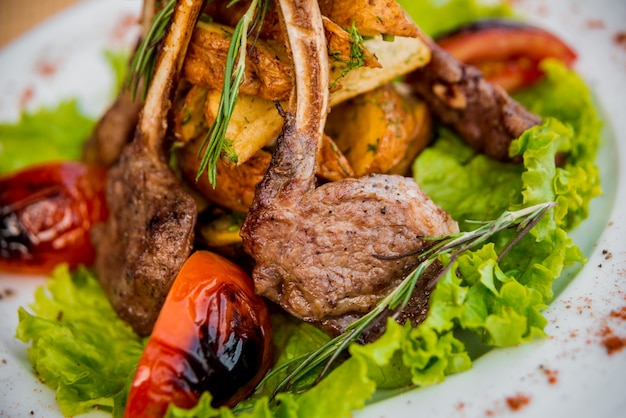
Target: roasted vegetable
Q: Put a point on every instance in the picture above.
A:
(46, 212)
(508, 53)
(213, 334)
(268, 73)
(380, 131)
(236, 185)
(256, 121)
(189, 120)
(370, 17)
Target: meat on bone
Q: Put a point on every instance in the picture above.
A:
(316, 248)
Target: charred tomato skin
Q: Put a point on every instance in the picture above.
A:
(46, 213)
(212, 334)
(507, 52)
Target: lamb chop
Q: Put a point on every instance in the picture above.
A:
(150, 231)
(316, 249)
(481, 113)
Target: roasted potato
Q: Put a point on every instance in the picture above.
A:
(256, 121)
(254, 124)
(268, 71)
(189, 119)
(371, 17)
(235, 185)
(380, 131)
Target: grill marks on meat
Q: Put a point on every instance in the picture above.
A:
(481, 113)
(149, 233)
(315, 248)
(146, 239)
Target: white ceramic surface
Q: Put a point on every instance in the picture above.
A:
(570, 374)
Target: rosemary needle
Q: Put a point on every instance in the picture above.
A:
(453, 245)
(144, 60)
(215, 140)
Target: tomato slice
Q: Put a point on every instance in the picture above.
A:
(46, 212)
(212, 334)
(507, 52)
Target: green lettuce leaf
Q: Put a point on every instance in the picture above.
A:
(56, 133)
(436, 18)
(79, 346)
(565, 96)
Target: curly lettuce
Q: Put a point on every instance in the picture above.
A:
(436, 18)
(79, 346)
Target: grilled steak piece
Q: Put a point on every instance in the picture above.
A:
(481, 113)
(149, 233)
(315, 248)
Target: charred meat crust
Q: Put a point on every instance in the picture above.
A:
(150, 230)
(481, 113)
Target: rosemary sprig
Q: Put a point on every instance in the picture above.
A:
(144, 60)
(453, 245)
(215, 140)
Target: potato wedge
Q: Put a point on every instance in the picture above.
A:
(380, 131)
(332, 165)
(234, 187)
(397, 58)
(340, 45)
(371, 17)
(268, 70)
(254, 124)
(189, 120)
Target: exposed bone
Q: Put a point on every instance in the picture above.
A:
(149, 233)
(315, 248)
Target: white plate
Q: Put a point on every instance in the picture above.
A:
(570, 374)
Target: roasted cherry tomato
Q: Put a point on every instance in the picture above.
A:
(212, 334)
(46, 212)
(508, 53)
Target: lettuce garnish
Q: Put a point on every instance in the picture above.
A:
(80, 347)
(437, 17)
(55, 133)
(48, 134)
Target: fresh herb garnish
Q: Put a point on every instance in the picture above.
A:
(452, 246)
(215, 140)
(357, 54)
(144, 60)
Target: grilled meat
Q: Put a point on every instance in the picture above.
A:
(149, 234)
